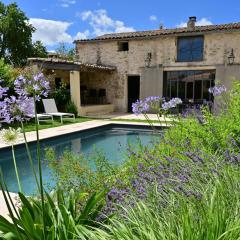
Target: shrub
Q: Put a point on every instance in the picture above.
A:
(173, 216)
(78, 172)
(71, 108)
(8, 75)
(62, 96)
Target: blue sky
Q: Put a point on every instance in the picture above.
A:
(65, 20)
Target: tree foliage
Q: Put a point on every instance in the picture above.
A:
(65, 52)
(38, 50)
(16, 36)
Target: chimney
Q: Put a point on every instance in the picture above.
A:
(191, 22)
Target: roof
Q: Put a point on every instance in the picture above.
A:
(56, 63)
(166, 32)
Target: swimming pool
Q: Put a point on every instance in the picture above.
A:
(112, 140)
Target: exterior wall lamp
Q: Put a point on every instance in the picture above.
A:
(148, 59)
(231, 57)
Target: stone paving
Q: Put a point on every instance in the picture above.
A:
(3, 207)
(65, 129)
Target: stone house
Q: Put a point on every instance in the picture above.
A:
(181, 62)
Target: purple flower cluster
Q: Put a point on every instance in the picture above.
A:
(140, 106)
(167, 174)
(3, 91)
(217, 90)
(21, 107)
(143, 106)
(36, 85)
(154, 102)
(171, 104)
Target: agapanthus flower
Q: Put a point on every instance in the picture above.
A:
(16, 108)
(171, 104)
(11, 136)
(32, 84)
(152, 99)
(3, 91)
(217, 90)
(143, 106)
(140, 106)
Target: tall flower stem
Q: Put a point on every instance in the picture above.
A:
(16, 169)
(149, 121)
(40, 168)
(30, 156)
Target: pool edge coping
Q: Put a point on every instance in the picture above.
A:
(80, 127)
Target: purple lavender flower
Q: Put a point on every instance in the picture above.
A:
(217, 90)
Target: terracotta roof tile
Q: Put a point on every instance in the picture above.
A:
(166, 32)
(76, 63)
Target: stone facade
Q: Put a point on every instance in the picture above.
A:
(217, 46)
(62, 74)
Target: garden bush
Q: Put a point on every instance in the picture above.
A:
(186, 186)
(71, 108)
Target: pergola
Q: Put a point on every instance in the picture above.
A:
(75, 68)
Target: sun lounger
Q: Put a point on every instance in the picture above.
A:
(51, 109)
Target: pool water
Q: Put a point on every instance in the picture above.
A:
(112, 140)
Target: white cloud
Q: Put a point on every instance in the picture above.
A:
(51, 32)
(153, 18)
(67, 3)
(201, 22)
(82, 35)
(102, 23)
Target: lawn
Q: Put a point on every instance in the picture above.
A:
(30, 126)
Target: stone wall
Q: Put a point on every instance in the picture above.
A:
(63, 74)
(103, 80)
(164, 53)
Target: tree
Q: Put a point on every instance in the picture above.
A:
(15, 35)
(65, 52)
(39, 50)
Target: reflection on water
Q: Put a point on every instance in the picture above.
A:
(111, 141)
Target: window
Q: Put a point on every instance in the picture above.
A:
(190, 49)
(123, 46)
(188, 85)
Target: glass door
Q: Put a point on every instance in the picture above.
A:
(189, 90)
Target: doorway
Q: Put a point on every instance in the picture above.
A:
(133, 90)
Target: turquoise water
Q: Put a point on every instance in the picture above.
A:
(112, 140)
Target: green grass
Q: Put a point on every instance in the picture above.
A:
(30, 126)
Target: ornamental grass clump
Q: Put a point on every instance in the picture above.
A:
(174, 216)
